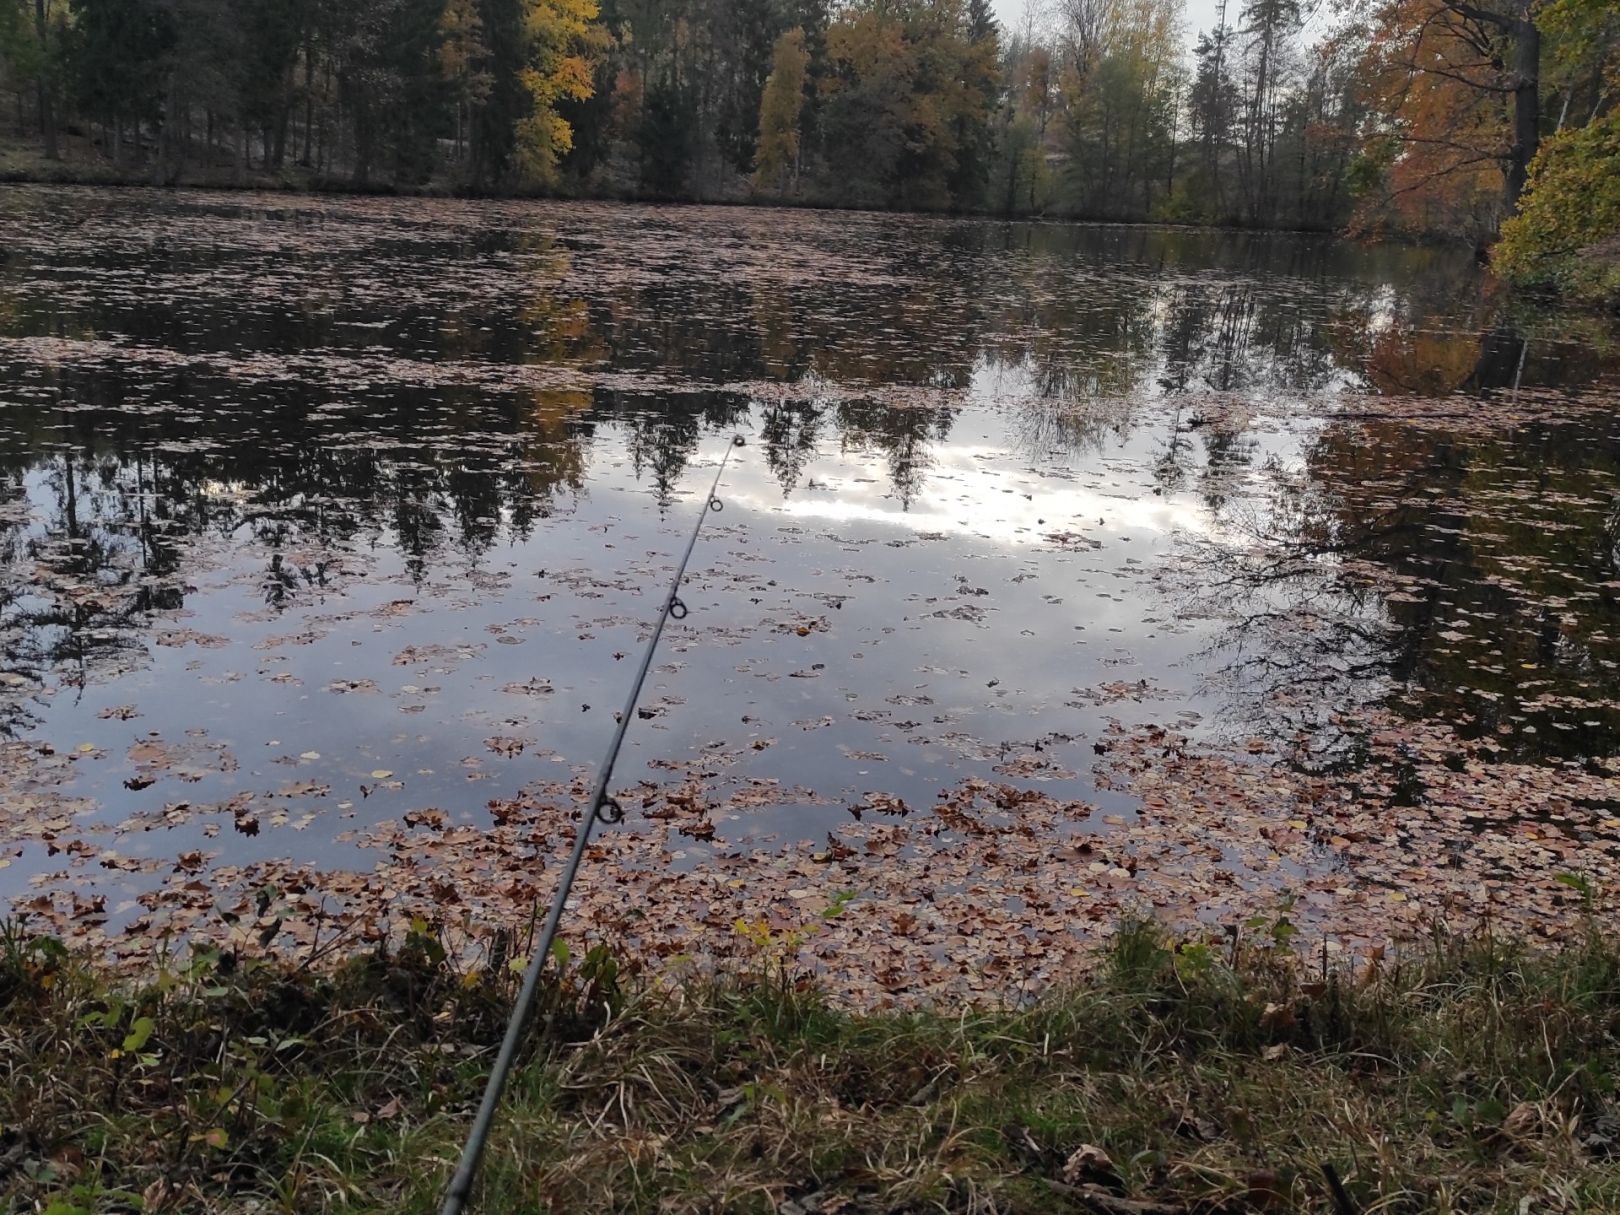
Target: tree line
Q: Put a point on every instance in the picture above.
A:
(1416, 115)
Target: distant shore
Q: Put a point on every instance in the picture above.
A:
(26, 164)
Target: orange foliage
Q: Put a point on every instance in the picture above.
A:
(1439, 82)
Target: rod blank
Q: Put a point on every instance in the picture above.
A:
(602, 808)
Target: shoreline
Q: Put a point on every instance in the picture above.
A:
(447, 191)
(1180, 1077)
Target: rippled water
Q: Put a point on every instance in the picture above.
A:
(316, 514)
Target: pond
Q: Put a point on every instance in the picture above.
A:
(1066, 572)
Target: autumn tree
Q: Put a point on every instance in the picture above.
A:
(1121, 87)
(1029, 101)
(1086, 108)
(558, 34)
(780, 108)
(1459, 85)
(909, 101)
(868, 108)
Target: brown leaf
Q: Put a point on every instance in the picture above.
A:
(1089, 1162)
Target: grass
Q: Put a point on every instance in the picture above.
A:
(1469, 1075)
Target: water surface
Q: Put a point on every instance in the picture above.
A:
(326, 523)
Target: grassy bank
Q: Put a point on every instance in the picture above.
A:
(1466, 1076)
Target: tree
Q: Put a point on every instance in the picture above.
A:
(45, 77)
(1269, 25)
(557, 33)
(1459, 84)
(1122, 103)
(1212, 103)
(780, 109)
(665, 137)
(1032, 100)
(871, 113)
(1584, 57)
(1567, 233)
(204, 75)
(25, 63)
(912, 88)
(739, 55)
(271, 33)
(978, 99)
(463, 58)
(118, 50)
(494, 118)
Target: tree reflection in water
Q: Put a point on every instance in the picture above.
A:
(860, 335)
(1468, 577)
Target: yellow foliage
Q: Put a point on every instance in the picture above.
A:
(560, 34)
(780, 107)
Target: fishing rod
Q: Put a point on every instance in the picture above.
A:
(603, 808)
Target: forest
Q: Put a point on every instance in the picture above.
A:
(1420, 117)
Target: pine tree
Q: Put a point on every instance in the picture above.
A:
(463, 58)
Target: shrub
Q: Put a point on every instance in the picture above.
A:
(1566, 236)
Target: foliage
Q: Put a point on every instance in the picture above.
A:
(1119, 125)
(1463, 93)
(910, 96)
(910, 103)
(22, 50)
(557, 32)
(464, 61)
(1567, 234)
(1442, 133)
(1585, 51)
(781, 109)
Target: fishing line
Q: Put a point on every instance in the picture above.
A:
(603, 808)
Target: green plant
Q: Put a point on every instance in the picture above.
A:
(1566, 235)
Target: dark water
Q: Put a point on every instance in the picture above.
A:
(354, 508)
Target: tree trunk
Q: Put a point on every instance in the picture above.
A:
(309, 97)
(1526, 107)
(47, 113)
(175, 132)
